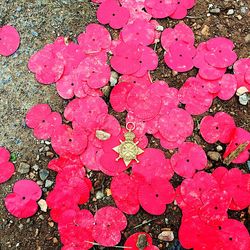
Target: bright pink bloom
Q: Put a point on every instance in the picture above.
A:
(9, 40)
(75, 229)
(7, 168)
(140, 31)
(132, 241)
(143, 102)
(22, 202)
(220, 52)
(148, 61)
(95, 39)
(95, 71)
(221, 128)
(110, 12)
(242, 72)
(66, 140)
(182, 7)
(154, 196)
(143, 80)
(180, 56)
(215, 205)
(153, 164)
(43, 121)
(136, 10)
(195, 94)
(160, 8)
(75, 84)
(124, 190)
(126, 59)
(46, 65)
(84, 111)
(236, 184)
(181, 32)
(176, 126)
(108, 224)
(189, 158)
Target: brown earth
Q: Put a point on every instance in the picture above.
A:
(39, 22)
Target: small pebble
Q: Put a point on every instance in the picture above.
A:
(230, 12)
(55, 240)
(23, 168)
(243, 99)
(48, 183)
(219, 148)
(248, 164)
(51, 223)
(214, 156)
(43, 174)
(99, 195)
(244, 10)
(247, 38)
(215, 11)
(166, 236)
(43, 205)
(35, 167)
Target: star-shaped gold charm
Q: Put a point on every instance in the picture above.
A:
(128, 149)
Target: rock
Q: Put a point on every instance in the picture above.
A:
(50, 154)
(219, 148)
(215, 10)
(243, 99)
(43, 205)
(99, 195)
(248, 164)
(247, 38)
(23, 168)
(48, 183)
(214, 156)
(242, 90)
(166, 236)
(55, 240)
(244, 10)
(113, 78)
(35, 167)
(230, 12)
(205, 30)
(108, 191)
(43, 174)
(51, 223)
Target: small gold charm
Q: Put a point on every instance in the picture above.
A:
(128, 149)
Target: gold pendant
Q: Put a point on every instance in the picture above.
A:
(128, 149)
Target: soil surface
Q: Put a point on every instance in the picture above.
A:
(40, 22)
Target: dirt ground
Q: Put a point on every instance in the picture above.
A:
(40, 22)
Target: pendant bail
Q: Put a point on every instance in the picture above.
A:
(130, 126)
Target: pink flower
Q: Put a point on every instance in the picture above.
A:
(95, 71)
(175, 127)
(126, 59)
(180, 56)
(84, 111)
(132, 242)
(110, 12)
(75, 84)
(22, 202)
(9, 40)
(242, 72)
(46, 65)
(140, 31)
(154, 196)
(160, 8)
(220, 52)
(43, 121)
(95, 39)
(189, 158)
(181, 32)
(124, 190)
(7, 168)
(182, 7)
(67, 141)
(136, 10)
(196, 96)
(75, 229)
(108, 224)
(221, 128)
(235, 183)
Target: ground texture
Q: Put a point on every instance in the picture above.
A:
(40, 22)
